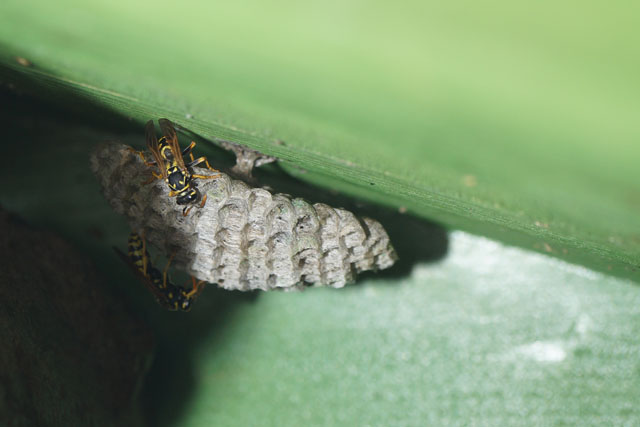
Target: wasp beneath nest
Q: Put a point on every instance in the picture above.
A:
(168, 295)
(168, 157)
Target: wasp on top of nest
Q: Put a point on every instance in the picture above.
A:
(244, 237)
(169, 159)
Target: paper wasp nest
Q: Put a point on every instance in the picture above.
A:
(244, 238)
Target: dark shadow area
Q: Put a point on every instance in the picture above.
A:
(64, 333)
(171, 380)
(48, 184)
(49, 134)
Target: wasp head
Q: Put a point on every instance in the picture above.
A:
(184, 303)
(190, 195)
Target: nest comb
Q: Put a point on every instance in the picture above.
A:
(244, 238)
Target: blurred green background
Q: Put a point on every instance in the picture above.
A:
(517, 122)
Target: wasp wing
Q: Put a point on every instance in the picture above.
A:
(146, 281)
(170, 135)
(152, 145)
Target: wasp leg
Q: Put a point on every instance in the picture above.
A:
(153, 178)
(165, 272)
(188, 150)
(186, 210)
(214, 176)
(196, 288)
(141, 154)
(200, 160)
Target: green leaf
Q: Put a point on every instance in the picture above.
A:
(491, 335)
(518, 126)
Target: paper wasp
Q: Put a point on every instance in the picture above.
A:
(169, 159)
(168, 295)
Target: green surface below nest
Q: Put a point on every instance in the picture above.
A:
(519, 125)
(492, 335)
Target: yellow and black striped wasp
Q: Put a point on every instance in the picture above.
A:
(169, 159)
(168, 295)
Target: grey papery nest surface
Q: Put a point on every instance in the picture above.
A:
(243, 238)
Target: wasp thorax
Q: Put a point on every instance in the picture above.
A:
(176, 179)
